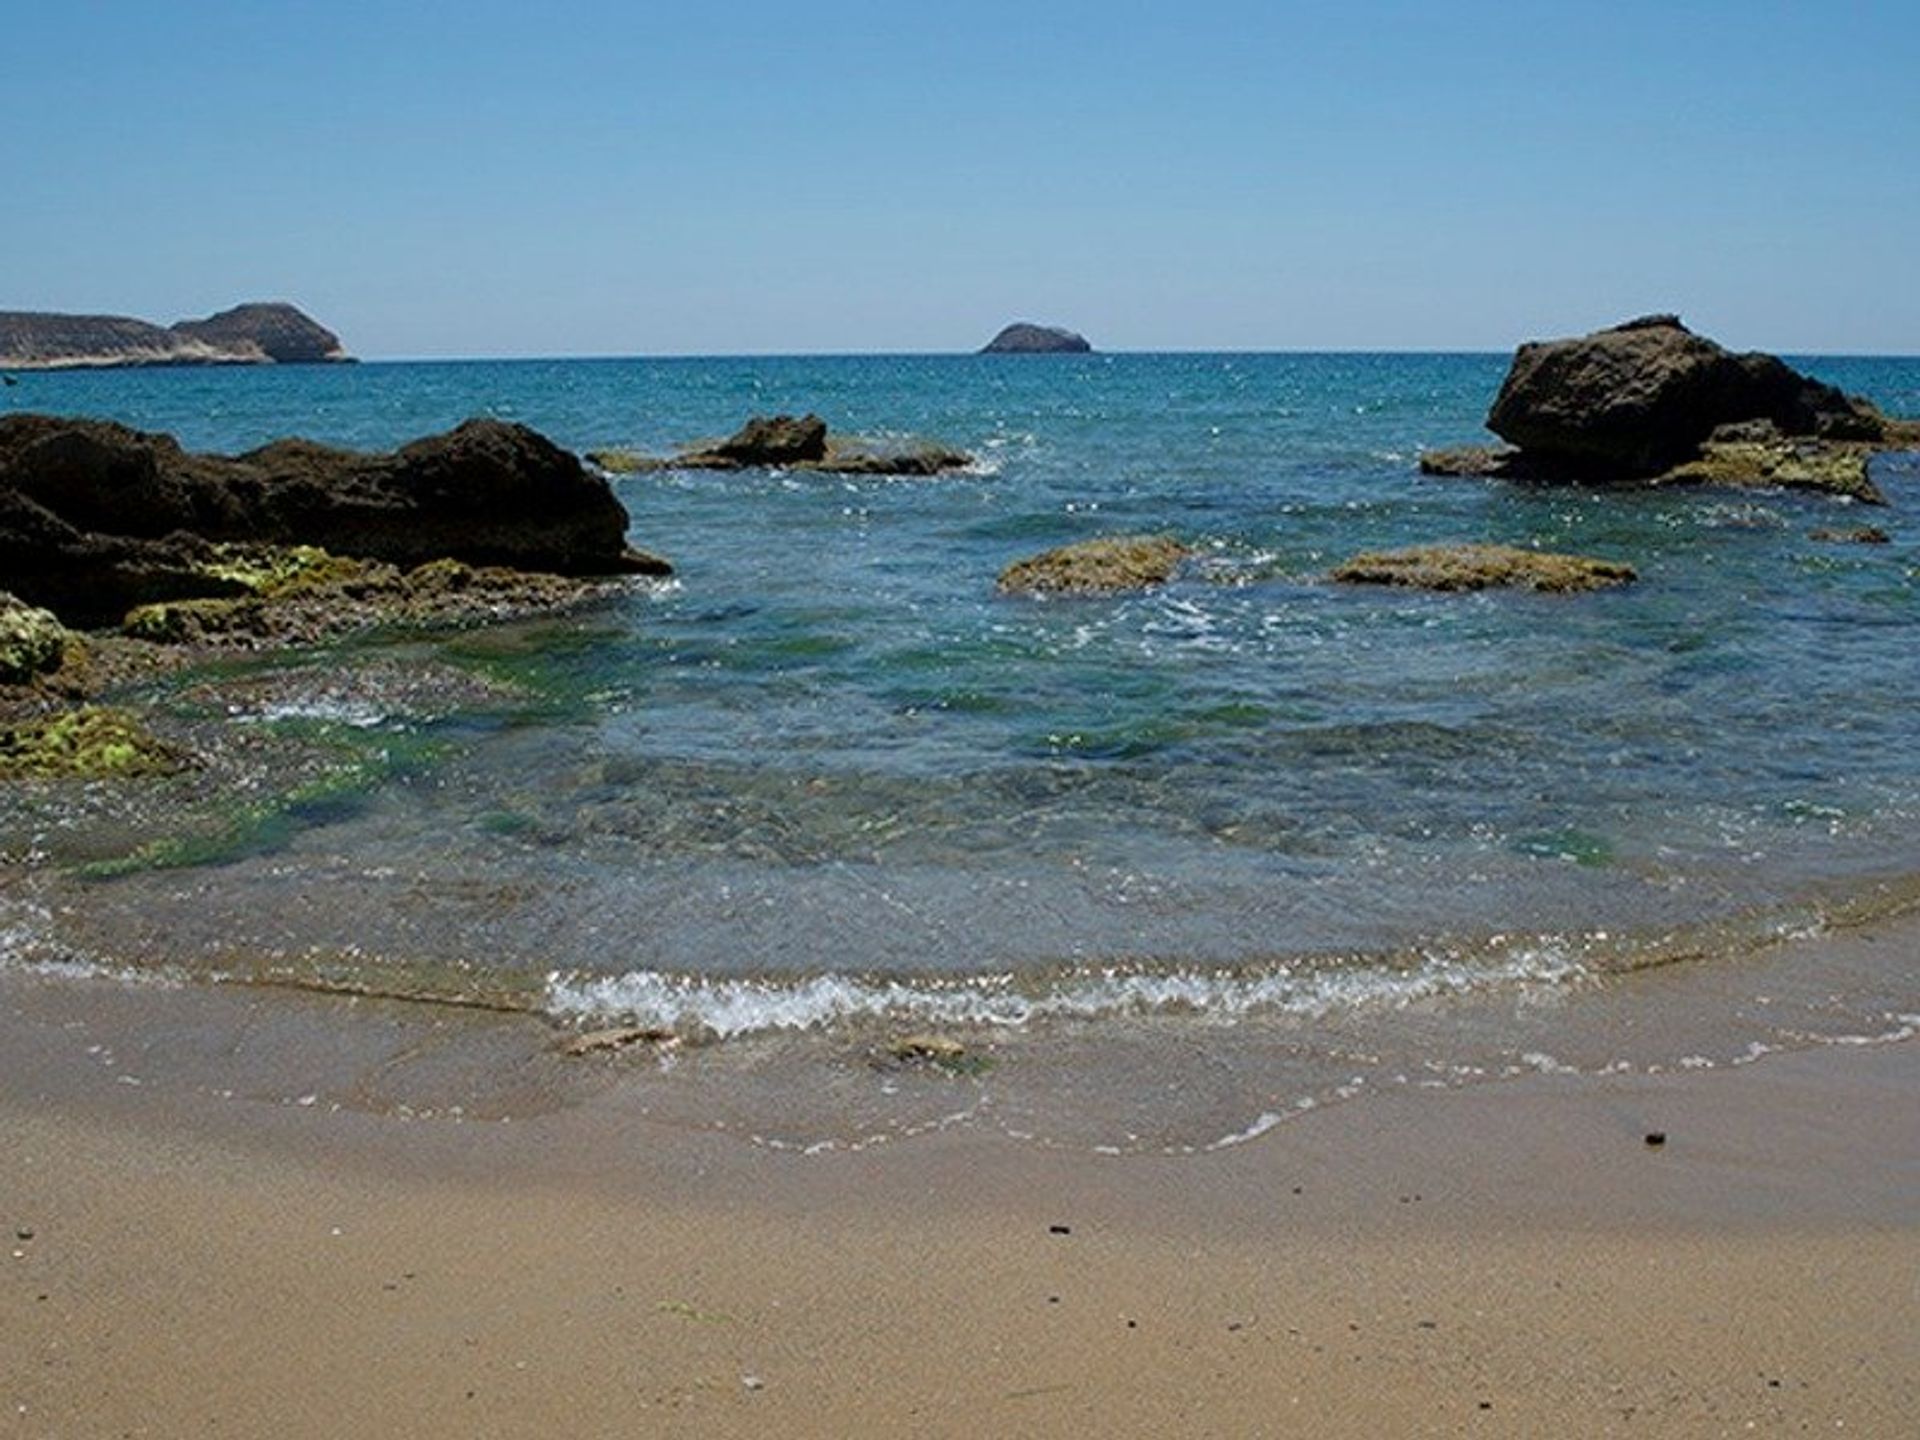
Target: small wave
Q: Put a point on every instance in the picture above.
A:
(729, 1008)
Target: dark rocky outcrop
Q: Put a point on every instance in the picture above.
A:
(1105, 566)
(1482, 567)
(1851, 535)
(254, 334)
(1650, 402)
(1024, 338)
(1640, 398)
(787, 442)
(96, 518)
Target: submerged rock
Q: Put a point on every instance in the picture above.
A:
(93, 742)
(1104, 566)
(32, 641)
(785, 442)
(1852, 535)
(1025, 338)
(1642, 397)
(96, 518)
(1481, 567)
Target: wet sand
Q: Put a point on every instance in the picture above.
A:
(1506, 1259)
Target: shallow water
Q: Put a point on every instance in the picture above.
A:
(826, 782)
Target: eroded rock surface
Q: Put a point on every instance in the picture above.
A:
(1108, 565)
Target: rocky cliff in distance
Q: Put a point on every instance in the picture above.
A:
(278, 330)
(1023, 338)
(255, 334)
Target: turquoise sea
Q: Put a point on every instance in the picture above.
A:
(826, 784)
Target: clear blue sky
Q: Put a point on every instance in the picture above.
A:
(484, 178)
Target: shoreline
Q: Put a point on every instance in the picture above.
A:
(1508, 1258)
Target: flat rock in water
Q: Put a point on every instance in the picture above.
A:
(1108, 565)
(784, 442)
(1482, 567)
(1751, 456)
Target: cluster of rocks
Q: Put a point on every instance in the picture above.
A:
(97, 519)
(788, 442)
(259, 333)
(1649, 402)
(148, 547)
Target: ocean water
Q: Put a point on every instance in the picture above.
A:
(826, 784)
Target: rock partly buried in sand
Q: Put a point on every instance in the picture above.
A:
(1852, 535)
(93, 742)
(1755, 453)
(931, 1051)
(32, 641)
(96, 518)
(1025, 338)
(1108, 565)
(790, 443)
(1642, 397)
(616, 1038)
(1483, 567)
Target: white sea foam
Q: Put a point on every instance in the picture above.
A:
(725, 1008)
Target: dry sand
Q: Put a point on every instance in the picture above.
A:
(1507, 1260)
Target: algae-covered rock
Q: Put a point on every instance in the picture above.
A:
(1758, 455)
(32, 641)
(1482, 567)
(191, 622)
(93, 742)
(1108, 565)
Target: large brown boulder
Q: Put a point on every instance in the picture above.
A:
(96, 518)
(1641, 397)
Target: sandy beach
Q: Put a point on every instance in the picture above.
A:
(1503, 1259)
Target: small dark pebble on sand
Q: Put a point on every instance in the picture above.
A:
(1059, 1229)
(23, 1233)
(1486, 1404)
(1656, 1138)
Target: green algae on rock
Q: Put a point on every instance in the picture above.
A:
(93, 742)
(32, 641)
(1751, 456)
(1104, 566)
(1482, 567)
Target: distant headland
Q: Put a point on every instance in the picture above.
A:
(1023, 338)
(263, 333)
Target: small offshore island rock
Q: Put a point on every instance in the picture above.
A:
(1025, 338)
(276, 329)
(1105, 566)
(261, 333)
(1482, 567)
